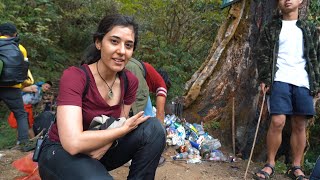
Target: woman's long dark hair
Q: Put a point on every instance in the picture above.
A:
(92, 54)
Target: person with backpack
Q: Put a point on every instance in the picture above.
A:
(150, 80)
(13, 56)
(102, 87)
(31, 96)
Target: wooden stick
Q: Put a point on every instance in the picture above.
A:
(233, 130)
(255, 136)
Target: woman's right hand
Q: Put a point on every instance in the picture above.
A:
(133, 122)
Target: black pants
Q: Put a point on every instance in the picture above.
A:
(13, 99)
(144, 146)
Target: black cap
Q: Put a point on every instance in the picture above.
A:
(7, 29)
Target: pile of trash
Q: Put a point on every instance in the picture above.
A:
(191, 142)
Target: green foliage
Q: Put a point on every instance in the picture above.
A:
(308, 166)
(212, 125)
(176, 35)
(314, 14)
(36, 22)
(55, 33)
(281, 167)
(314, 149)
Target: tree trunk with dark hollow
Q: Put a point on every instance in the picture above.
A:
(229, 71)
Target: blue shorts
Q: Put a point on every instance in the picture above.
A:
(289, 99)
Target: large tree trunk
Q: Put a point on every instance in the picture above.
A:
(229, 72)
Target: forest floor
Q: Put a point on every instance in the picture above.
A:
(172, 169)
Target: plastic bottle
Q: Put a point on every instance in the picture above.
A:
(183, 155)
(199, 128)
(205, 151)
(190, 135)
(190, 126)
(193, 151)
(173, 118)
(167, 121)
(181, 131)
(216, 144)
(212, 143)
(193, 161)
(217, 155)
(195, 145)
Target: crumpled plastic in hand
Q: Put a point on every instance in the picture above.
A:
(105, 122)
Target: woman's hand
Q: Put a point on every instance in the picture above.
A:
(133, 122)
(98, 154)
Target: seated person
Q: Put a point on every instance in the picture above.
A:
(31, 96)
(72, 151)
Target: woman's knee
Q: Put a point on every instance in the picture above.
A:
(153, 132)
(154, 124)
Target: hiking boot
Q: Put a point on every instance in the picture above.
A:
(27, 146)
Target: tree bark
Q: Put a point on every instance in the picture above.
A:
(229, 71)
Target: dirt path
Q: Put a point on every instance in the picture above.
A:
(178, 170)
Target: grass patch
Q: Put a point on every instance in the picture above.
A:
(8, 135)
(281, 167)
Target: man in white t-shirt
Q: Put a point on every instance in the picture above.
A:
(288, 66)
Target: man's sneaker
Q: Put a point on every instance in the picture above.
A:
(27, 146)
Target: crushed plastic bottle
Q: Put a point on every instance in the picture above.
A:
(170, 119)
(199, 128)
(194, 161)
(181, 131)
(177, 140)
(191, 127)
(193, 151)
(195, 145)
(211, 143)
(217, 155)
(205, 151)
(183, 155)
(191, 135)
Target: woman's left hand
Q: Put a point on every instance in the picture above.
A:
(98, 153)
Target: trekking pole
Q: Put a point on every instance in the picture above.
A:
(233, 130)
(255, 136)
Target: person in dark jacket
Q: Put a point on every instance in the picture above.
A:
(288, 67)
(11, 95)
